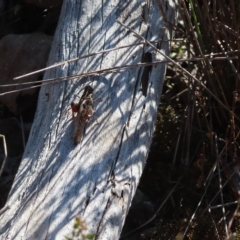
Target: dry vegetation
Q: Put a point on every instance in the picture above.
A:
(197, 135)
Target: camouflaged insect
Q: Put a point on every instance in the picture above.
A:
(84, 110)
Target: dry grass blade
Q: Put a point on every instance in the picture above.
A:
(97, 72)
(4, 152)
(220, 188)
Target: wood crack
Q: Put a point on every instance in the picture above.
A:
(101, 220)
(111, 174)
(146, 58)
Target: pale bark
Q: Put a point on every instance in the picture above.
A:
(97, 178)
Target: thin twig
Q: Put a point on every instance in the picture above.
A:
(220, 187)
(155, 215)
(230, 62)
(218, 193)
(215, 225)
(225, 205)
(5, 153)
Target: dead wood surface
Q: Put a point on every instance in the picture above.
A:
(97, 178)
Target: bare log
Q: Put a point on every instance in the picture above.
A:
(97, 178)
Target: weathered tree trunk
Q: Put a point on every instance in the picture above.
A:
(97, 178)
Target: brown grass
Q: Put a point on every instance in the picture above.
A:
(204, 121)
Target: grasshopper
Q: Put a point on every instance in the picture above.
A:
(84, 110)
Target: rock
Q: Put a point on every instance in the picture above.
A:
(22, 54)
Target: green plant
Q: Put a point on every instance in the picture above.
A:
(79, 228)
